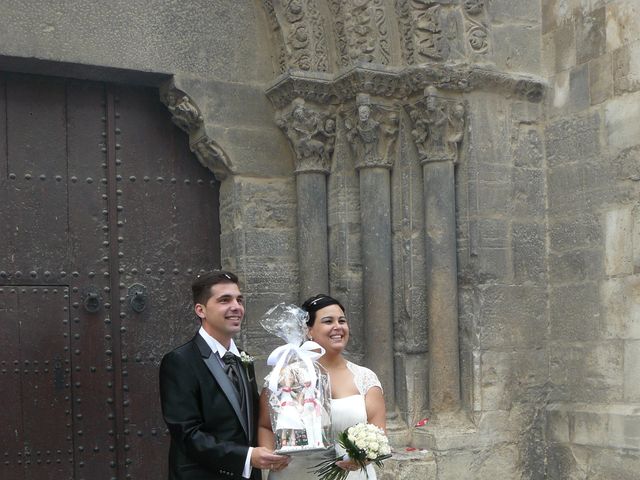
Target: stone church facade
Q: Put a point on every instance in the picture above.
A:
(463, 174)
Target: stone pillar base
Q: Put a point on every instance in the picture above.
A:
(398, 433)
(445, 431)
(412, 465)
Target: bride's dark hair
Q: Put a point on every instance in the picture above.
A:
(317, 302)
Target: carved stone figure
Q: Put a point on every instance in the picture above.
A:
(473, 7)
(213, 157)
(372, 132)
(184, 113)
(430, 41)
(365, 134)
(294, 11)
(455, 130)
(436, 119)
(438, 126)
(361, 39)
(390, 123)
(442, 31)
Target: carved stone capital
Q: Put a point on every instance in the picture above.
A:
(438, 126)
(188, 117)
(312, 133)
(372, 131)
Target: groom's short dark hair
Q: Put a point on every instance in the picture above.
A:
(201, 285)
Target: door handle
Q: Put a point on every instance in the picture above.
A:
(137, 296)
(91, 299)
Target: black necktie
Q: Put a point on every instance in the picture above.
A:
(231, 369)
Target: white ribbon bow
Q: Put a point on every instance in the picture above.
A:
(307, 354)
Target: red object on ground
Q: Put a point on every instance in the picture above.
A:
(422, 422)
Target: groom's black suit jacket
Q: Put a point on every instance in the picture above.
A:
(210, 435)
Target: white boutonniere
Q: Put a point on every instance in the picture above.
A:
(246, 359)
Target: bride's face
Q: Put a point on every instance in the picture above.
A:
(330, 329)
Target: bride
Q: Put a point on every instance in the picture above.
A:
(356, 392)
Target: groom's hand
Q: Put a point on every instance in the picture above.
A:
(262, 457)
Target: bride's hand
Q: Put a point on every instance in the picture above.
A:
(348, 465)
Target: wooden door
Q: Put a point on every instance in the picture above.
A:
(106, 218)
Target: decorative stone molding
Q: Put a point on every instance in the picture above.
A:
(300, 31)
(438, 126)
(372, 131)
(278, 42)
(427, 31)
(362, 32)
(310, 37)
(188, 117)
(476, 31)
(400, 83)
(311, 133)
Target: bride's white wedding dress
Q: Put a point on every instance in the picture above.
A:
(345, 412)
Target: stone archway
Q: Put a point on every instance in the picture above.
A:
(414, 63)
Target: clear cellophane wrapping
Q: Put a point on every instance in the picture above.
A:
(298, 388)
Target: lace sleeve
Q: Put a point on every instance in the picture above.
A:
(363, 378)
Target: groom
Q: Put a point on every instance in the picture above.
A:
(209, 400)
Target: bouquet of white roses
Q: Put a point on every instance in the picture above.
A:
(363, 443)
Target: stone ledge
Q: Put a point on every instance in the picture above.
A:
(458, 431)
(450, 431)
(400, 82)
(597, 425)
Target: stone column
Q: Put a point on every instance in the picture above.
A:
(372, 131)
(438, 129)
(312, 134)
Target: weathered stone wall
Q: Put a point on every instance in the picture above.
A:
(216, 39)
(546, 194)
(592, 143)
(503, 290)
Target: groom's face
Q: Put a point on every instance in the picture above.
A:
(223, 313)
